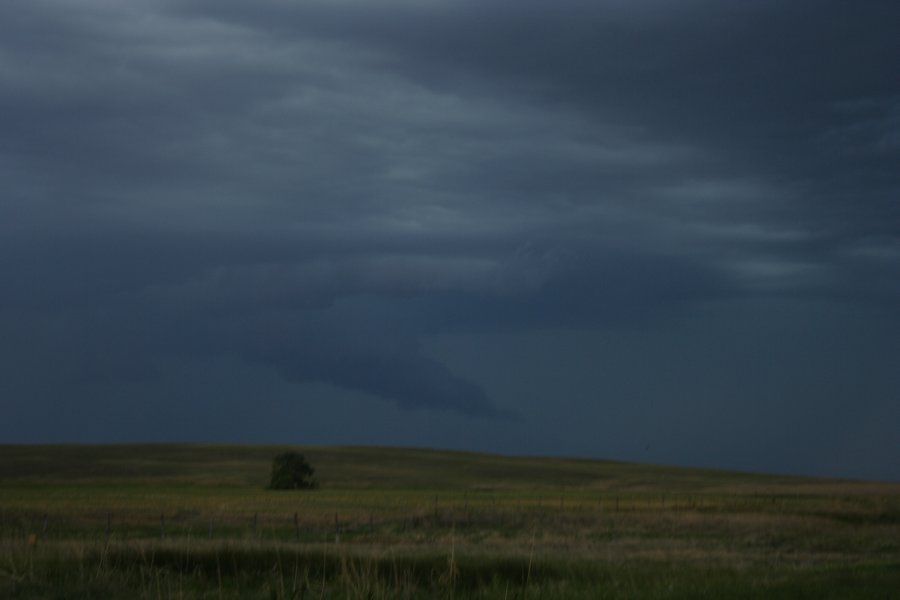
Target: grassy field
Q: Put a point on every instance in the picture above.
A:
(194, 521)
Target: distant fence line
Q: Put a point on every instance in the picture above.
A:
(460, 512)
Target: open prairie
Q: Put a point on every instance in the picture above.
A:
(195, 521)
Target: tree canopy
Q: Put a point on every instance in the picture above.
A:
(290, 471)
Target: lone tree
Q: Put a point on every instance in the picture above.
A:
(290, 471)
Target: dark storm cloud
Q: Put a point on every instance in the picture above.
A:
(80, 316)
(316, 186)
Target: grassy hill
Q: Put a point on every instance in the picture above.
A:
(368, 467)
(158, 521)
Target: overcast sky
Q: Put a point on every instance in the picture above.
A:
(642, 230)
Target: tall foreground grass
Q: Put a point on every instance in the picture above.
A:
(195, 522)
(228, 570)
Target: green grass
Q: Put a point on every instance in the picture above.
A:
(194, 521)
